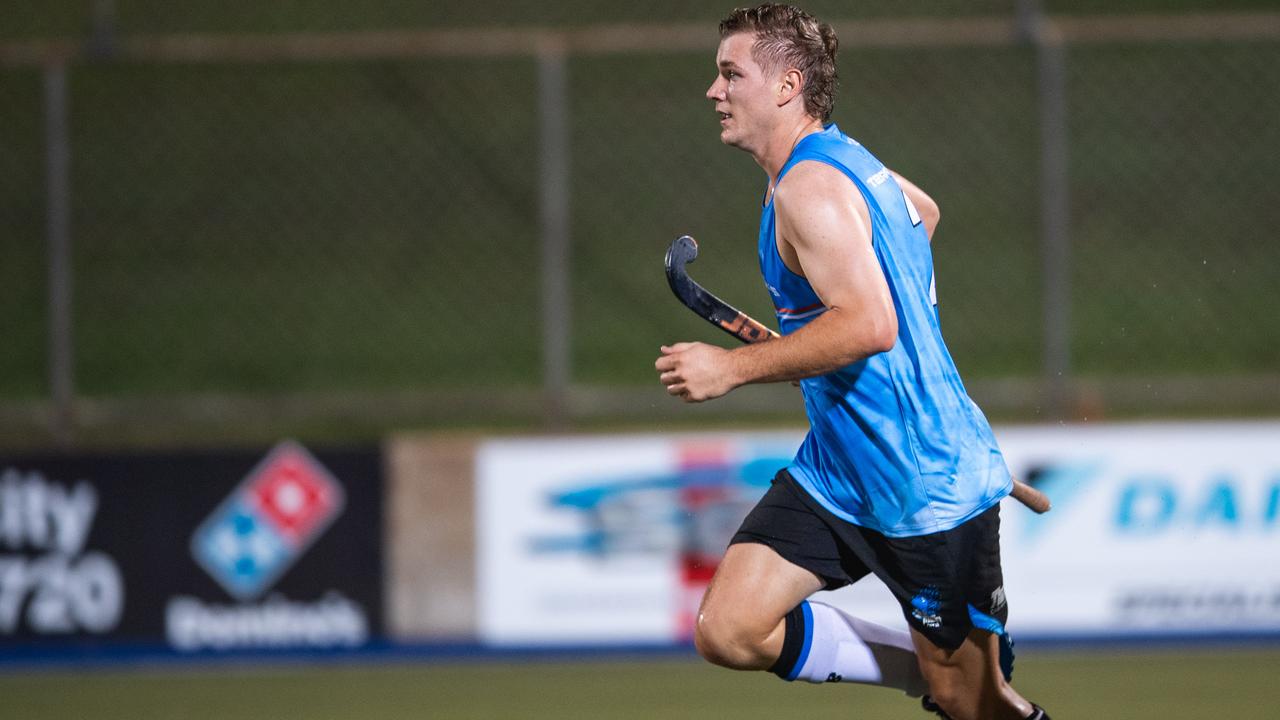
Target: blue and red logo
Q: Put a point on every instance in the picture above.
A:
(268, 521)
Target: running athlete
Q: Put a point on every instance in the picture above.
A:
(899, 475)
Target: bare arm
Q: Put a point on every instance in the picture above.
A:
(825, 235)
(924, 204)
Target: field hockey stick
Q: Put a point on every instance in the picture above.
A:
(683, 251)
(742, 326)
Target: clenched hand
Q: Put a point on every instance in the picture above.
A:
(695, 371)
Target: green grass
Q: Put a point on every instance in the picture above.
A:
(1165, 685)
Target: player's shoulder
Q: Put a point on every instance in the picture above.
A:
(811, 183)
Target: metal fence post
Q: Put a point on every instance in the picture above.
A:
(553, 142)
(1055, 204)
(58, 229)
(102, 35)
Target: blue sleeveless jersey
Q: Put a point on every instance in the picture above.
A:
(895, 444)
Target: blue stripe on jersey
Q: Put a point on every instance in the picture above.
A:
(895, 444)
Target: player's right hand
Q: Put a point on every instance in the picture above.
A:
(694, 372)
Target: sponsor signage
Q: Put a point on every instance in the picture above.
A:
(198, 551)
(53, 579)
(1158, 528)
(609, 539)
(1164, 529)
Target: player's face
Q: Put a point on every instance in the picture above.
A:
(742, 93)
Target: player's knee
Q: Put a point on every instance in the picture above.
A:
(949, 701)
(946, 681)
(952, 695)
(727, 642)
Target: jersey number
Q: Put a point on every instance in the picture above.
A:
(915, 222)
(911, 210)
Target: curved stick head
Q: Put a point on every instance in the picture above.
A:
(683, 251)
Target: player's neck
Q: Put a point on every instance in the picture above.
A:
(775, 153)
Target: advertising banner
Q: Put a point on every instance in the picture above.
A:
(609, 539)
(1161, 528)
(197, 551)
(1164, 529)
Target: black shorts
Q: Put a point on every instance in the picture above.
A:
(938, 578)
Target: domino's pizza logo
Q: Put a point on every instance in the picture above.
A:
(278, 511)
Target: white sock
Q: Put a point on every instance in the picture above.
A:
(845, 649)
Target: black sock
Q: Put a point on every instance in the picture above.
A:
(792, 644)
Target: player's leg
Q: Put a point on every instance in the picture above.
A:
(958, 622)
(967, 682)
(754, 615)
(742, 620)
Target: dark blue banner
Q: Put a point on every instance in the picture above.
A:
(278, 548)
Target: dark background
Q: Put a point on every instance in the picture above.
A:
(149, 506)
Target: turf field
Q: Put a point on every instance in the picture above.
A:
(1164, 684)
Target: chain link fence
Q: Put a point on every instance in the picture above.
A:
(368, 225)
(1172, 174)
(22, 211)
(60, 18)
(304, 227)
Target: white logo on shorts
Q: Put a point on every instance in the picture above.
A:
(997, 599)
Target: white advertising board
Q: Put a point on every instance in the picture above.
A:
(609, 539)
(1156, 528)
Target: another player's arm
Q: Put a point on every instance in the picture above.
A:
(825, 229)
(924, 204)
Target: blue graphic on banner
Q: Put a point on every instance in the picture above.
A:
(241, 549)
(1064, 483)
(693, 509)
(1151, 504)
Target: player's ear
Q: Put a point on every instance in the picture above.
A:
(790, 87)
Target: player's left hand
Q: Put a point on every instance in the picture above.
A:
(695, 372)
